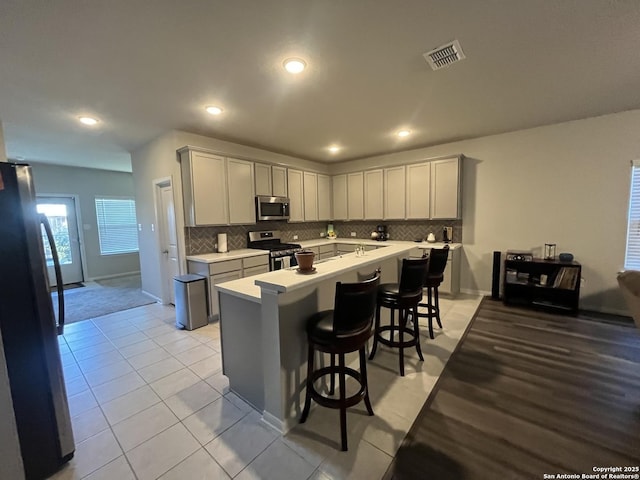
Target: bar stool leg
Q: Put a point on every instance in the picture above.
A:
(402, 322)
(365, 382)
(343, 405)
(437, 307)
(332, 381)
(416, 332)
(309, 383)
(430, 312)
(376, 332)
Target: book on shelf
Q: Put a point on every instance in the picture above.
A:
(566, 278)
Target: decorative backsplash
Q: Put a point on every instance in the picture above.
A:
(201, 240)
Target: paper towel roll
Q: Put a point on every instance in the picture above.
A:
(222, 243)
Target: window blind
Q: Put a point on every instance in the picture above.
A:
(632, 256)
(117, 225)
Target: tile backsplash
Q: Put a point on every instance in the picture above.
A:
(204, 239)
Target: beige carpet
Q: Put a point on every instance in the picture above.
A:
(102, 297)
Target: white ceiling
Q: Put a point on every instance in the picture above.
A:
(146, 67)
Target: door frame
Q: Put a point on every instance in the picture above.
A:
(76, 205)
(159, 183)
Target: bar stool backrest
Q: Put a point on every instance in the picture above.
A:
(413, 274)
(438, 261)
(355, 305)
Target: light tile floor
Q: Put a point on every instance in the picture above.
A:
(149, 401)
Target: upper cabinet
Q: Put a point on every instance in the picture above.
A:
(373, 194)
(339, 190)
(355, 196)
(296, 197)
(445, 188)
(271, 180)
(241, 192)
(418, 186)
(394, 200)
(310, 189)
(324, 197)
(263, 179)
(279, 181)
(204, 188)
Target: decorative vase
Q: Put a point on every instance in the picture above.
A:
(305, 260)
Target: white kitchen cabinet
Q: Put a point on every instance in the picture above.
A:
(271, 180)
(279, 181)
(263, 179)
(296, 198)
(339, 191)
(355, 196)
(324, 197)
(255, 265)
(418, 190)
(310, 193)
(451, 282)
(241, 192)
(327, 251)
(394, 200)
(445, 188)
(373, 194)
(204, 188)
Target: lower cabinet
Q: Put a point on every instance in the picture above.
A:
(225, 271)
(327, 251)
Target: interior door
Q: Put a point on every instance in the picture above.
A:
(61, 213)
(169, 240)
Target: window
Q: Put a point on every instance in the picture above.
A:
(117, 225)
(632, 257)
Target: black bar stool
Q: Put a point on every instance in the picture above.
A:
(345, 329)
(435, 275)
(404, 297)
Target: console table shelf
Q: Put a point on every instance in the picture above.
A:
(548, 284)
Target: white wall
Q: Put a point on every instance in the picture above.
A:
(88, 183)
(10, 456)
(566, 184)
(158, 159)
(3, 150)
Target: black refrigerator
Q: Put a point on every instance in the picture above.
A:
(29, 329)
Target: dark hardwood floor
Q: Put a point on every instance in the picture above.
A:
(528, 393)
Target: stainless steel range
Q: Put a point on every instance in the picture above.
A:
(280, 254)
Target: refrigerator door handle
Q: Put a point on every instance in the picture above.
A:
(56, 267)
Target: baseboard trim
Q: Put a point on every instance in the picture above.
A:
(115, 275)
(157, 299)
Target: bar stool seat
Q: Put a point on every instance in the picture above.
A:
(345, 329)
(404, 297)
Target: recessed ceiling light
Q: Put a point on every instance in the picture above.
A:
(294, 65)
(214, 110)
(334, 149)
(403, 133)
(88, 120)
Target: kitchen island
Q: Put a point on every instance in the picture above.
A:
(262, 325)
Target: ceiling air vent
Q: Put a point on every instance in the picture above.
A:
(444, 55)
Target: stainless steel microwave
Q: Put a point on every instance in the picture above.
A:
(272, 208)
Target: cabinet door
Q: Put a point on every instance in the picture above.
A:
(204, 189)
(263, 179)
(251, 271)
(394, 201)
(445, 186)
(295, 187)
(310, 192)
(241, 191)
(279, 181)
(339, 191)
(214, 305)
(418, 186)
(355, 196)
(324, 197)
(373, 195)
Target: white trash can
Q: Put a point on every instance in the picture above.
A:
(191, 301)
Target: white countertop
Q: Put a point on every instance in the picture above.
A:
(231, 255)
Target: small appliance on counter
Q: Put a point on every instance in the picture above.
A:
(431, 238)
(382, 234)
(447, 234)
